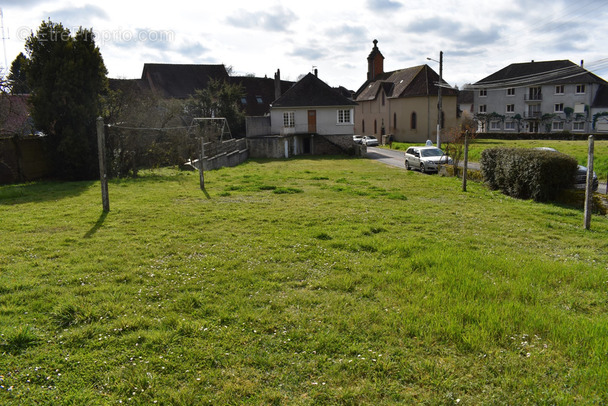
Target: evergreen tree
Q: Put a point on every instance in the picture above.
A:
(17, 78)
(66, 75)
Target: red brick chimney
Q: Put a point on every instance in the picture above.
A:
(375, 62)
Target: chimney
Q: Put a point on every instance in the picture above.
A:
(316, 72)
(277, 84)
(582, 63)
(375, 62)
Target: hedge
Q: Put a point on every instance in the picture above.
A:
(564, 135)
(528, 173)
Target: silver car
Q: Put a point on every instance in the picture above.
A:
(370, 141)
(426, 159)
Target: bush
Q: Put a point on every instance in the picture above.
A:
(528, 173)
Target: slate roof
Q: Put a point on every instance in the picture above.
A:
(129, 85)
(257, 89)
(180, 81)
(410, 82)
(543, 72)
(310, 91)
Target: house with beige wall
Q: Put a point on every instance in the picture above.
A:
(403, 103)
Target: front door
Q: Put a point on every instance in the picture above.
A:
(312, 121)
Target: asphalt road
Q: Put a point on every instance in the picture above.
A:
(394, 157)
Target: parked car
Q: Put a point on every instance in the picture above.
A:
(580, 181)
(357, 139)
(369, 140)
(426, 159)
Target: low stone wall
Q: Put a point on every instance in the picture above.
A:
(225, 154)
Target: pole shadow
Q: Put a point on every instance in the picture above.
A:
(97, 225)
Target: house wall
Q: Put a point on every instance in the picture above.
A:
(496, 101)
(402, 109)
(327, 121)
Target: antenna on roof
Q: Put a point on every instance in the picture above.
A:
(3, 42)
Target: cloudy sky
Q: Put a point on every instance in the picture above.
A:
(258, 37)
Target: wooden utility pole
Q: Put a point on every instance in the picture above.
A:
(589, 185)
(101, 153)
(466, 161)
(200, 163)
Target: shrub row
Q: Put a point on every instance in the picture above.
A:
(564, 135)
(528, 173)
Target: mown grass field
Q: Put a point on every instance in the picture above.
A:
(305, 281)
(577, 149)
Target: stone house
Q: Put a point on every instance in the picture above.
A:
(403, 103)
(309, 118)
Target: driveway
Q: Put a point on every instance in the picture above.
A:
(397, 158)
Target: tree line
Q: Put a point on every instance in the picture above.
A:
(66, 79)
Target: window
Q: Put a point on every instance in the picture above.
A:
(510, 108)
(344, 117)
(483, 92)
(362, 126)
(482, 108)
(558, 126)
(243, 100)
(259, 99)
(375, 127)
(578, 126)
(580, 89)
(289, 119)
(413, 121)
(511, 91)
(510, 125)
(559, 89)
(394, 121)
(494, 125)
(558, 108)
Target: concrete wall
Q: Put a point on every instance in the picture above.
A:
(268, 147)
(257, 126)
(227, 153)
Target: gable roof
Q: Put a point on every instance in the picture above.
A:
(410, 82)
(311, 91)
(180, 81)
(543, 72)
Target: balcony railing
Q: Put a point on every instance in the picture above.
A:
(533, 97)
(532, 114)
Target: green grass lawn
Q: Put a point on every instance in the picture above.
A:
(305, 281)
(577, 149)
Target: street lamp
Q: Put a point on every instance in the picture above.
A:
(440, 61)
